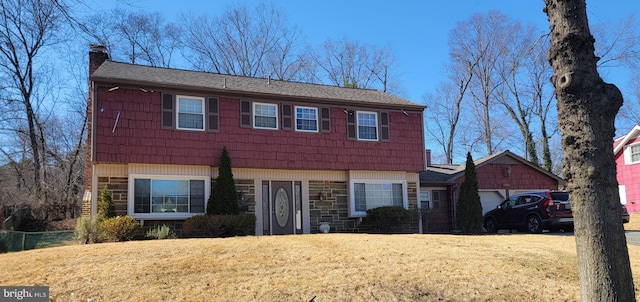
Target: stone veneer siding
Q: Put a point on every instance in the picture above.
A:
(246, 194)
(118, 187)
(334, 208)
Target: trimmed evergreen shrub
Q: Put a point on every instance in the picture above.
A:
(469, 206)
(106, 207)
(224, 199)
(386, 218)
(161, 232)
(120, 228)
(214, 226)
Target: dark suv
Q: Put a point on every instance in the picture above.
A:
(532, 212)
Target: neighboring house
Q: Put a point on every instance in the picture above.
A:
(626, 151)
(499, 176)
(301, 154)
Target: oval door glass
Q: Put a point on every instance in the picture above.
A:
(282, 207)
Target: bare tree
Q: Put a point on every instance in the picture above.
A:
(350, 63)
(587, 107)
(27, 27)
(618, 47)
(519, 44)
(138, 37)
(539, 90)
(445, 107)
(256, 43)
(477, 40)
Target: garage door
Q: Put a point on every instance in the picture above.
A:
(490, 199)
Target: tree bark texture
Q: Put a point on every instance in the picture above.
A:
(586, 110)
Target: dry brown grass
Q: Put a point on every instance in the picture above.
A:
(330, 267)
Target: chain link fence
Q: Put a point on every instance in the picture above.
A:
(16, 241)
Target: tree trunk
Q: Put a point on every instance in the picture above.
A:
(586, 110)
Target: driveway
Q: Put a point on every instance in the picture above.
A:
(633, 237)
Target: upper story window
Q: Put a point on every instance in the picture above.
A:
(632, 154)
(190, 113)
(306, 119)
(367, 125)
(265, 116)
(194, 113)
(635, 153)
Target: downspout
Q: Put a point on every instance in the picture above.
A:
(454, 188)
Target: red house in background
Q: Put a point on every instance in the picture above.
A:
(626, 150)
(499, 176)
(302, 154)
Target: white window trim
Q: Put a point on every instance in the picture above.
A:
(161, 216)
(358, 126)
(627, 155)
(352, 195)
(253, 115)
(204, 126)
(429, 200)
(295, 113)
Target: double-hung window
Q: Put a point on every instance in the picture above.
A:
(632, 154)
(265, 116)
(367, 195)
(635, 153)
(163, 196)
(367, 126)
(190, 113)
(306, 119)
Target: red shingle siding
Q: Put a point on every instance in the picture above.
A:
(139, 138)
(521, 177)
(628, 175)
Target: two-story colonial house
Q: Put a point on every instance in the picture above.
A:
(302, 154)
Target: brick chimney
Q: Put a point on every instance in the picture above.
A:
(427, 156)
(97, 56)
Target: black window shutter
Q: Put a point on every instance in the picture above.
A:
(351, 124)
(325, 119)
(168, 116)
(287, 117)
(245, 114)
(214, 121)
(384, 126)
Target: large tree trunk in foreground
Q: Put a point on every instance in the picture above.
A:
(586, 110)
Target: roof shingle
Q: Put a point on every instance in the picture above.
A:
(115, 72)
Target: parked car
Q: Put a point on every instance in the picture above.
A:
(535, 211)
(532, 212)
(625, 214)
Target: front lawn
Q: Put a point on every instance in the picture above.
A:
(329, 267)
